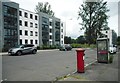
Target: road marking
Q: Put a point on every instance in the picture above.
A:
(90, 63)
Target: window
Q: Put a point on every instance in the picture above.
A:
(61, 24)
(31, 16)
(61, 36)
(35, 17)
(20, 32)
(26, 32)
(50, 30)
(31, 33)
(31, 24)
(25, 14)
(61, 30)
(35, 25)
(20, 41)
(62, 42)
(20, 22)
(36, 34)
(26, 41)
(50, 23)
(36, 42)
(31, 41)
(50, 37)
(20, 13)
(26, 23)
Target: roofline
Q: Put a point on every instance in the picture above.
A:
(28, 11)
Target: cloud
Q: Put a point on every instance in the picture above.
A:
(113, 23)
(113, 6)
(67, 10)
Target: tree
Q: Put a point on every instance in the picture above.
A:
(81, 39)
(118, 40)
(73, 41)
(45, 8)
(67, 40)
(94, 19)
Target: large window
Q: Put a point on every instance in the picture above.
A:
(61, 30)
(31, 41)
(31, 16)
(26, 23)
(20, 13)
(20, 32)
(50, 23)
(36, 42)
(50, 30)
(31, 24)
(31, 33)
(20, 22)
(36, 34)
(26, 14)
(10, 10)
(36, 17)
(36, 25)
(45, 20)
(20, 41)
(10, 20)
(50, 36)
(26, 33)
(26, 41)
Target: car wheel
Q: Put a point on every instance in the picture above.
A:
(19, 53)
(34, 51)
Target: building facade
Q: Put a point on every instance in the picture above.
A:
(50, 30)
(29, 29)
(20, 26)
(111, 34)
(9, 17)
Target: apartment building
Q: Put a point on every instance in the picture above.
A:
(20, 26)
(50, 30)
(111, 34)
(62, 31)
(9, 19)
(28, 23)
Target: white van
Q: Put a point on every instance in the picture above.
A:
(112, 49)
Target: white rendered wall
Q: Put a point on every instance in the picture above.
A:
(28, 28)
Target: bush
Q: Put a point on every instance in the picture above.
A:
(47, 47)
(83, 46)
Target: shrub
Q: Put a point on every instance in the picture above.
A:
(83, 46)
(46, 47)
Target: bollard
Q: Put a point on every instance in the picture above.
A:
(80, 60)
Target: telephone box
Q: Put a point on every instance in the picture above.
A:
(103, 50)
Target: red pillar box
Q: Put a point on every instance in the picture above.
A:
(80, 60)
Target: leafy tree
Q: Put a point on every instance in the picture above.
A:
(45, 8)
(73, 41)
(94, 18)
(81, 39)
(67, 40)
(118, 40)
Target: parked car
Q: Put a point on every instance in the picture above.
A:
(112, 49)
(65, 47)
(22, 49)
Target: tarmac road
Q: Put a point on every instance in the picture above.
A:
(43, 66)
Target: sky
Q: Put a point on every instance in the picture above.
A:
(67, 11)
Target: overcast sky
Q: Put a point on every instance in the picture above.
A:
(67, 11)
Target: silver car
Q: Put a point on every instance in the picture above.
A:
(22, 49)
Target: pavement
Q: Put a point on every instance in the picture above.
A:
(96, 72)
